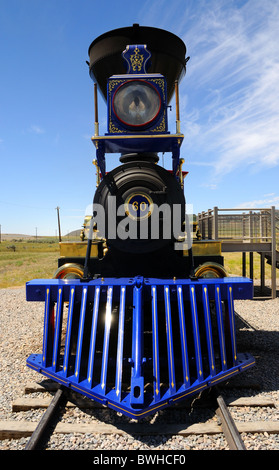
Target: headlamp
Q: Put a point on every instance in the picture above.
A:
(136, 103)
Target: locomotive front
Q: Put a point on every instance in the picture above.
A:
(133, 326)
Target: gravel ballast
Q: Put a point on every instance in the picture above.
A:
(21, 327)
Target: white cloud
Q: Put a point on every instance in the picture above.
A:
(232, 85)
(265, 202)
(37, 129)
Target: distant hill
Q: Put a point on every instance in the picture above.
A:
(74, 234)
(20, 236)
(17, 236)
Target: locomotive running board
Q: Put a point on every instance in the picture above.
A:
(139, 345)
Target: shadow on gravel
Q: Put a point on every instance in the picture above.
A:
(264, 346)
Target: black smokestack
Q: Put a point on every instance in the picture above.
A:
(167, 54)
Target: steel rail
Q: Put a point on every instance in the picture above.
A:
(229, 428)
(43, 428)
(44, 424)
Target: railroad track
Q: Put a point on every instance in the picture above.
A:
(44, 426)
(39, 433)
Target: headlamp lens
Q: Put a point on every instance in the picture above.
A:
(136, 103)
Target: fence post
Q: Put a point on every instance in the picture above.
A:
(202, 227)
(261, 226)
(262, 271)
(244, 264)
(251, 261)
(273, 253)
(243, 226)
(215, 221)
(209, 224)
(250, 226)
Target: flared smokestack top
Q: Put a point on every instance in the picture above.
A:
(168, 54)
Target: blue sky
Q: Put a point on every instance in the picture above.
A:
(229, 103)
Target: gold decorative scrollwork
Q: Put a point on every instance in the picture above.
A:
(113, 129)
(136, 60)
(161, 83)
(113, 83)
(161, 127)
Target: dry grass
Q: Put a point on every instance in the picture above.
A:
(21, 261)
(233, 265)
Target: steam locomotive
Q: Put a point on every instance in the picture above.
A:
(138, 316)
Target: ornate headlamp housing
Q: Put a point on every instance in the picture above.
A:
(137, 102)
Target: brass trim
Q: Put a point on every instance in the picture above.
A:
(211, 270)
(136, 136)
(69, 270)
(203, 248)
(77, 249)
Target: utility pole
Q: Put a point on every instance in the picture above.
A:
(58, 217)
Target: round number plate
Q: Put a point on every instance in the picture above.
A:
(138, 206)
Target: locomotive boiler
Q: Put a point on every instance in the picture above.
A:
(138, 317)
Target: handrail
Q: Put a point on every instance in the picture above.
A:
(250, 225)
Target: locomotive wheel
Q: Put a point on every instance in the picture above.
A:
(69, 271)
(211, 270)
